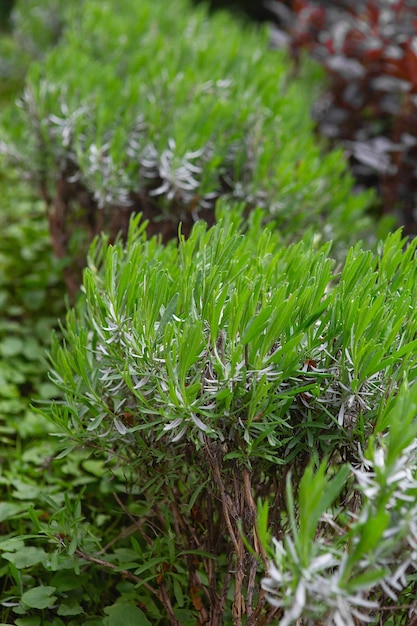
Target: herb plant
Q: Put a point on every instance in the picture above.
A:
(222, 373)
(234, 417)
(157, 108)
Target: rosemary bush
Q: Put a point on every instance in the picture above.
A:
(220, 377)
(156, 108)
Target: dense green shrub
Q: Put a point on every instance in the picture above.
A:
(213, 374)
(157, 109)
(38, 26)
(195, 380)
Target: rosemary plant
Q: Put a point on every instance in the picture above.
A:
(154, 107)
(224, 373)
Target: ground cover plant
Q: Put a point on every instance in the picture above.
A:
(205, 381)
(31, 301)
(155, 108)
(32, 298)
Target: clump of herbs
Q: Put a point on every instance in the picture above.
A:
(213, 372)
(207, 396)
(159, 109)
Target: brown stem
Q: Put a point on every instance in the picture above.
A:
(226, 583)
(228, 509)
(164, 597)
(181, 521)
(196, 587)
(251, 587)
(216, 601)
(230, 512)
(184, 528)
(239, 607)
(138, 525)
(254, 619)
(122, 535)
(253, 515)
(124, 573)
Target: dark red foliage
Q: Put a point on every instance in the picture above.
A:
(369, 49)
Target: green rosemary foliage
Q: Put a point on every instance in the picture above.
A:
(213, 370)
(156, 108)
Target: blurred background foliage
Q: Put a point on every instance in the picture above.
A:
(368, 50)
(107, 128)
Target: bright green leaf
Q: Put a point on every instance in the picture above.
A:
(26, 556)
(123, 614)
(39, 597)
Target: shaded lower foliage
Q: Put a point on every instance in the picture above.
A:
(257, 11)
(6, 7)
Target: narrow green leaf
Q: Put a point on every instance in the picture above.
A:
(167, 316)
(257, 325)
